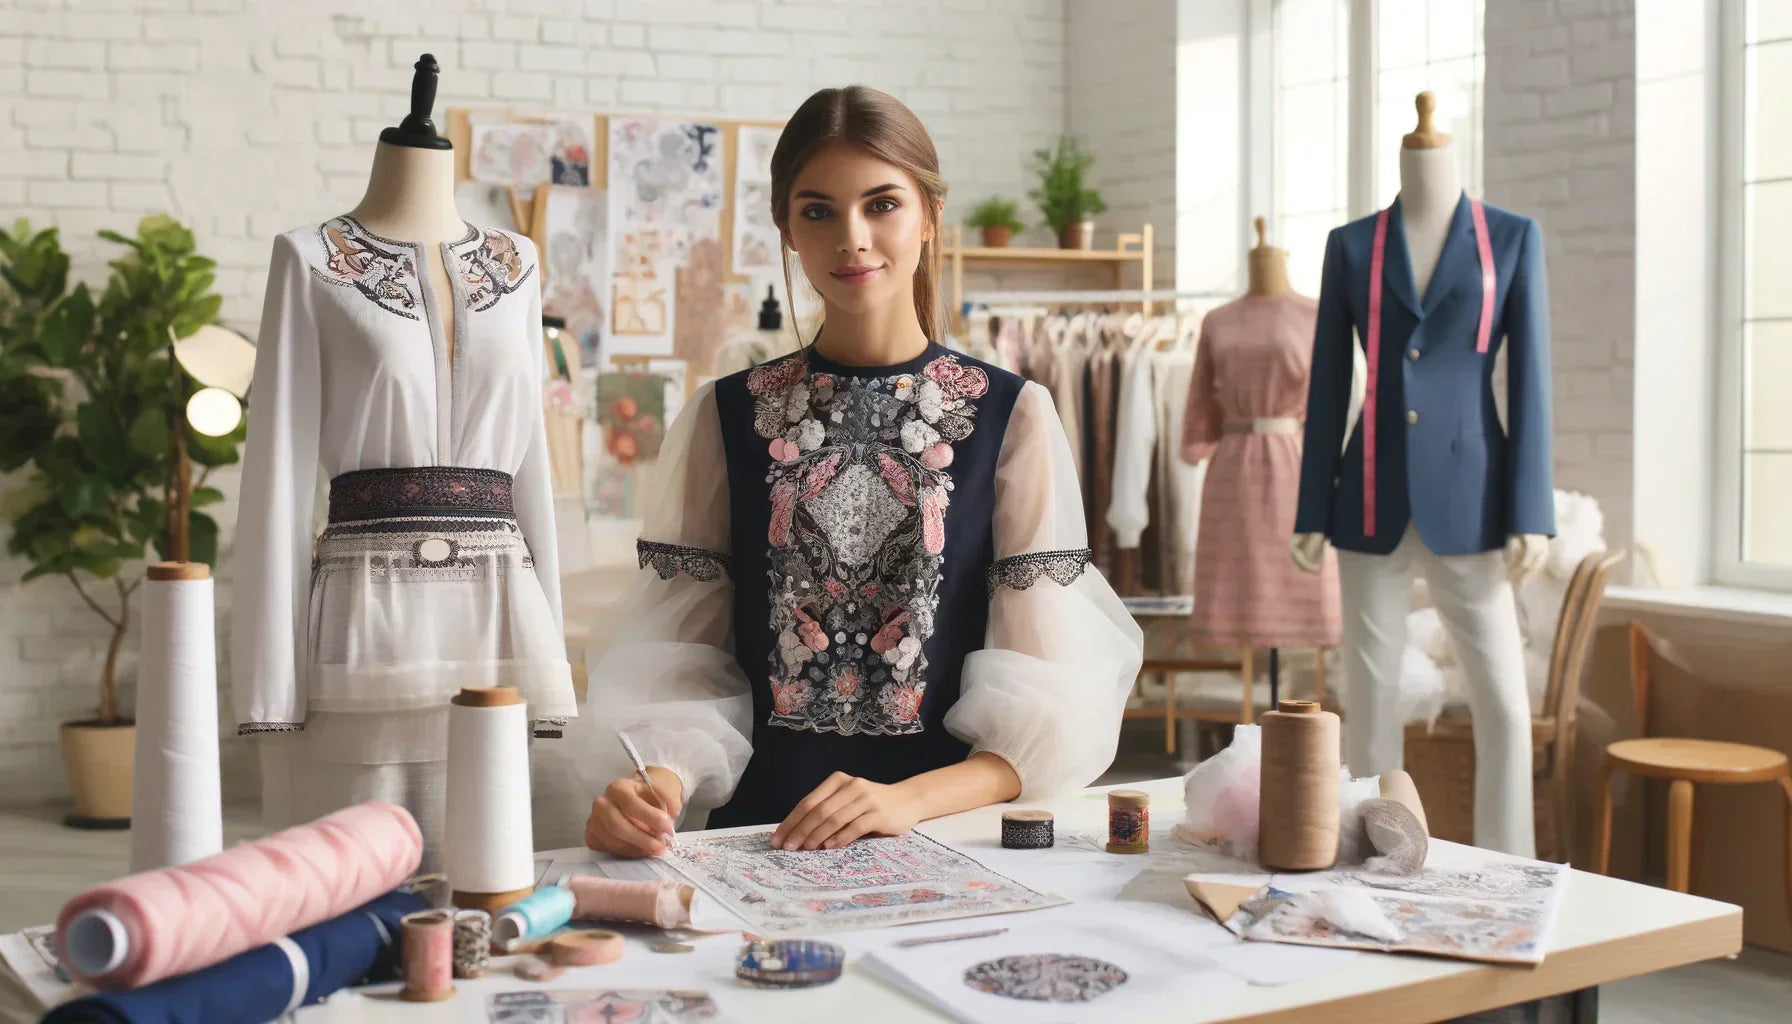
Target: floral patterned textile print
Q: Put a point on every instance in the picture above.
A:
(421, 490)
(859, 488)
(871, 883)
(382, 270)
(1046, 977)
(492, 270)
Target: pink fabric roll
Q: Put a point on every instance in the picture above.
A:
(183, 918)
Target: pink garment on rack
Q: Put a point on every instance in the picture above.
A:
(1252, 364)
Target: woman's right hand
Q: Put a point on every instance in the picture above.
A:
(630, 820)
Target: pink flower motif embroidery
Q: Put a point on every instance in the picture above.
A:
(783, 508)
(901, 484)
(870, 590)
(955, 379)
(846, 684)
(789, 698)
(937, 457)
(769, 377)
(836, 589)
(814, 637)
(890, 635)
(933, 519)
(902, 703)
(821, 474)
(785, 451)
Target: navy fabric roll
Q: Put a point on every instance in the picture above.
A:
(257, 986)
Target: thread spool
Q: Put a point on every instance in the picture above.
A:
(542, 912)
(472, 943)
(428, 956)
(176, 814)
(1027, 830)
(488, 844)
(1298, 792)
(1129, 821)
(585, 948)
(1399, 787)
(663, 904)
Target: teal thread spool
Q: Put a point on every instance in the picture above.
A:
(541, 913)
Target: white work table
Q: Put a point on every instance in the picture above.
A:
(1606, 930)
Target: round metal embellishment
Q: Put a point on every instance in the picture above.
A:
(435, 553)
(1046, 977)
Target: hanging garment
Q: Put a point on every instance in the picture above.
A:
(1179, 484)
(439, 566)
(874, 570)
(1245, 405)
(1103, 410)
(1070, 365)
(1439, 456)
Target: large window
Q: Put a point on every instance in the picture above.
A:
(1318, 150)
(1755, 536)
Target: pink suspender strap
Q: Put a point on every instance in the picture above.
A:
(1372, 344)
(1372, 355)
(1484, 250)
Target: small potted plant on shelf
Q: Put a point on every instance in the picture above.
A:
(998, 219)
(96, 417)
(1068, 205)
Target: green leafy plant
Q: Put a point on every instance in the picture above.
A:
(94, 411)
(995, 212)
(1061, 195)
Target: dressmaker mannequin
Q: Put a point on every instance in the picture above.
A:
(410, 192)
(1431, 483)
(1430, 186)
(1269, 265)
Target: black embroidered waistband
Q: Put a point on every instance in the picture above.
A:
(421, 491)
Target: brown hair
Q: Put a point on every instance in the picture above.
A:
(878, 123)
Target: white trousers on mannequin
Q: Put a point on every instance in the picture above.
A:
(1474, 601)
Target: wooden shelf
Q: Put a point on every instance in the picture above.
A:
(1016, 255)
(1130, 249)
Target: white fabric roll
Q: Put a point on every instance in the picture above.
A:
(176, 815)
(488, 840)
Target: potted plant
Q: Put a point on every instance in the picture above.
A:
(1069, 207)
(998, 219)
(106, 451)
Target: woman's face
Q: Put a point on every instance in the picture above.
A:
(857, 224)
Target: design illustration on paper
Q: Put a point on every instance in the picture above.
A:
(640, 305)
(870, 883)
(859, 493)
(518, 155)
(755, 235)
(632, 409)
(600, 1006)
(569, 154)
(667, 174)
(385, 272)
(492, 269)
(1046, 977)
(578, 265)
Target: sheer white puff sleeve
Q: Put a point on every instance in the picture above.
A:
(662, 663)
(274, 528)
(534, 491)
(1047, 691)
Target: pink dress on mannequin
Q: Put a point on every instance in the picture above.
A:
(1245, 403)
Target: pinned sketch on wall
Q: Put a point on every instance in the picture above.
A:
(699, 300)
(577, 233)
(871, 883)
(632, 409)
(571, 141)
(665, 184)
(601, 1006)
(755, 236)
(505, 153)
(642, 293)
(486, 205)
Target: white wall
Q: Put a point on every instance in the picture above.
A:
(245, 119)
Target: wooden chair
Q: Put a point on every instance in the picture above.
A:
(1441, 757)
(1683, 762)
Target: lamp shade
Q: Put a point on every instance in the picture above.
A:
(218, 357)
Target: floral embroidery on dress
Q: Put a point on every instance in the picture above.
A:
(382, 271)
(492, 269)
(859, 494)
(1019, 572)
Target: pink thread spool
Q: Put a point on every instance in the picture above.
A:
(664, 904)
(427, 955)
(157, 924)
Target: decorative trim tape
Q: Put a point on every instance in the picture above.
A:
(421, 491)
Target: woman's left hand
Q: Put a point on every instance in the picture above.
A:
(842, 809)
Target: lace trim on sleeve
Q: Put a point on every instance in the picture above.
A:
(668, 560)
(1019, 572)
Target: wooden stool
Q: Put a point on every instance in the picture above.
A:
(1685, 762)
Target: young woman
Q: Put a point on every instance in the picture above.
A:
(863, 600)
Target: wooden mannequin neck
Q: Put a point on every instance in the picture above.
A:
(1269, 272)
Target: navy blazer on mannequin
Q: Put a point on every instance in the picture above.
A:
(1442, 459)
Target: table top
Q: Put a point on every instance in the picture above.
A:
(1607, 929)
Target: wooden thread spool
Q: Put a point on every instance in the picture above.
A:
(427, 953)
(1129, 821)
(585, 948)
(1298, 801)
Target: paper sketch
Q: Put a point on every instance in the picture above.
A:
(569, 155)
(755, 236)
(1499, 911)
(485, 205)
(518, 155)
(578, 266)
(871, 883)
(1046, 977)
(642, 315)
(667, 174)
(700, 302)
(632, 409)
(600, 1006)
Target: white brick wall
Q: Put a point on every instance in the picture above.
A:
(244, 119)
(1561, 147)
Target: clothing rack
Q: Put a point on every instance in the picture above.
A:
(1091, 296)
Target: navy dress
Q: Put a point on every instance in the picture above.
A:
(901, 581)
